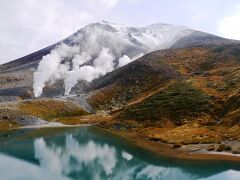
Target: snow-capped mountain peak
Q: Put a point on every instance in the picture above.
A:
(152, 37)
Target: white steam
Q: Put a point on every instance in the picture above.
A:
(98, 49)
(66, 63)
(124, 60)
(50, 67)
(101, 65)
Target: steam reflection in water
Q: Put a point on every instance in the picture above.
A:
(98, 161)
(89, 153)
(74, 157)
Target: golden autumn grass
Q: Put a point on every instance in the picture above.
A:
(51, 109)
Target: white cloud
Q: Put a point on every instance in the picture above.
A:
(229, 26)
(108, 3)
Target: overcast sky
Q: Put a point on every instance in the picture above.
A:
(29, 25)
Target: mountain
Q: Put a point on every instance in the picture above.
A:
(161, 82)
(122, 44)
(139, 39)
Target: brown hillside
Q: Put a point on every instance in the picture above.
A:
(199, 84)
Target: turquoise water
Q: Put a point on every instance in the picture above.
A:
(88, 153)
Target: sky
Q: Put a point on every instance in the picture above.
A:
(29, 25)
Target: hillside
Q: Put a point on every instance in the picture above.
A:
(183, 90)
(187, 97)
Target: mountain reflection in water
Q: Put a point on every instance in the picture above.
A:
(90, 153)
